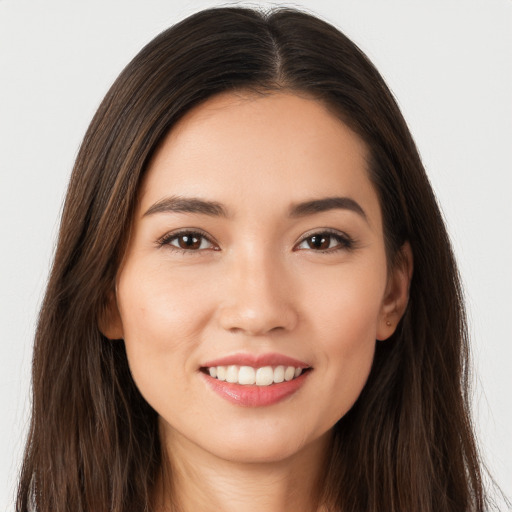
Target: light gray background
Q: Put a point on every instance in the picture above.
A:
(448, 62)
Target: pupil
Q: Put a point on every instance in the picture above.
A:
(320, 242)
(189, 242)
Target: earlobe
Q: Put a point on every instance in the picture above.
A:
(396, 296)
(109, 320)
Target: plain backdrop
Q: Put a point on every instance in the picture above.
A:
(449, 63)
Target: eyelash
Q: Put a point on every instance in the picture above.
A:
(169, 237)
(345, 242)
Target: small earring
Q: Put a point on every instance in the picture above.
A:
(388, 323)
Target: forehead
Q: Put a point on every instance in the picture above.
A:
(242, 148)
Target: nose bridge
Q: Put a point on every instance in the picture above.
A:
(259, 298)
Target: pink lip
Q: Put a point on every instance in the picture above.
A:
(254, 396)
(257, 361)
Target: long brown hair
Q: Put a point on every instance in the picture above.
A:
(407, 444)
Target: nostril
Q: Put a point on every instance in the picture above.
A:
(256, 305)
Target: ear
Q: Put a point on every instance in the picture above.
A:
(396, 295)
(109, 320)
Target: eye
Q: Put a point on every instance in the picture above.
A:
(187, 241)
(326, 241)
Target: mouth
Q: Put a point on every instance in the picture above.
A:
(254, 376)
(255, 380)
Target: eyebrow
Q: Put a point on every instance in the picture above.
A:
(180, 204)
(325, 204)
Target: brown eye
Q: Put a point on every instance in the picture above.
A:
(189, 242)
(326, 242)
(320, 242)
(186, 241)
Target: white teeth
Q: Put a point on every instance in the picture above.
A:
(289, 373)
(279, 374)
(247, 375)
(264, 376)
(221, 372)
(232, 374)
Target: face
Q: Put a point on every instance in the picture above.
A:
(255, 283)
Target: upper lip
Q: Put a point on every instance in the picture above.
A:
(256, 361)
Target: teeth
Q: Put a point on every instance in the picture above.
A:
(264, 376)
(221, 372)
(279, 374)
(232, 374)
(247, 375)
(289, 373)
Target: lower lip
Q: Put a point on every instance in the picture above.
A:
(255, 396)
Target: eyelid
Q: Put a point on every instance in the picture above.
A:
(168, 237)
(346, 242)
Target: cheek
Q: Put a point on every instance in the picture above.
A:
(161, 306)
(346, 323)
(162, 317)
(348, 304)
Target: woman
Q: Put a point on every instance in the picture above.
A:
(253, 303)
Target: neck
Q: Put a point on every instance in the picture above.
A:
(194, 480)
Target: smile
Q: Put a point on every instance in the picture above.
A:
(247, 375)
(255, 380)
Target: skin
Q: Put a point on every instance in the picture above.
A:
(255, 285)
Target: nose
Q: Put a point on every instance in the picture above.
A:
(259, 297)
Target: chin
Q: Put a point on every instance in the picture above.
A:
(264, 452)
(265, 446)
